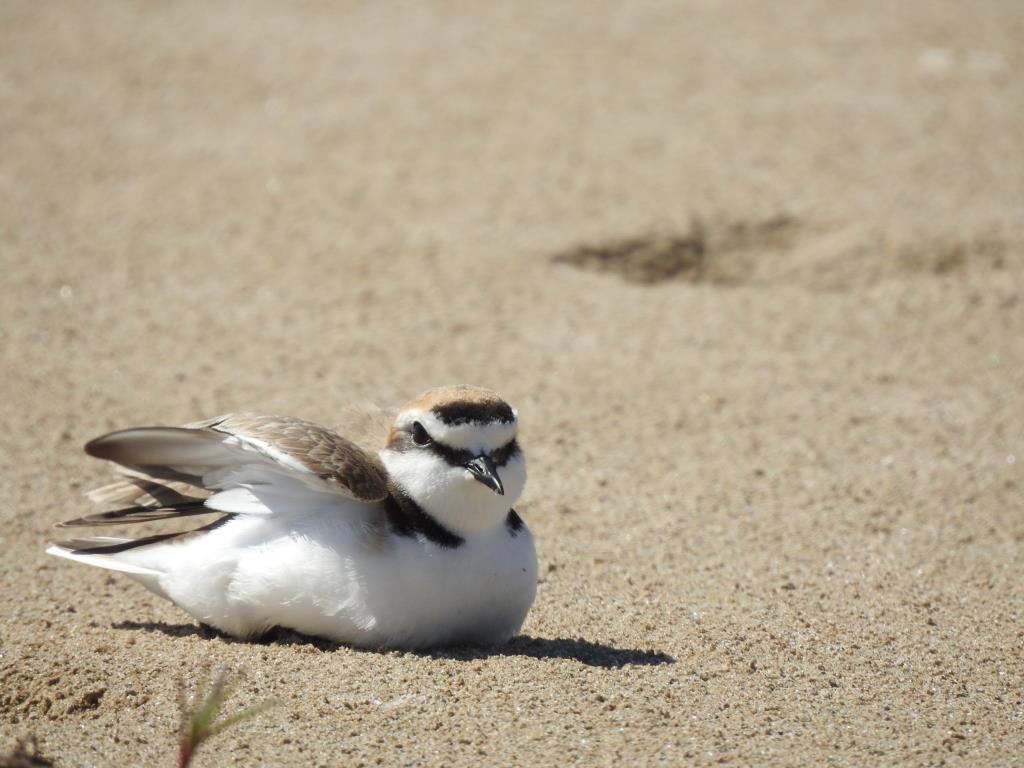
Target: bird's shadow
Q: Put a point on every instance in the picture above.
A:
(574, 649)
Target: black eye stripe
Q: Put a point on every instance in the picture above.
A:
(457, 457)
(454, 456)
(507, 452)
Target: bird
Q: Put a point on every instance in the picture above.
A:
(414, 547)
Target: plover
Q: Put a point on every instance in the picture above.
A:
(414, 547)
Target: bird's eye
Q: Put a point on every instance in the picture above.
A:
(419, 434)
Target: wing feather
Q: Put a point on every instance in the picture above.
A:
(301, 448)
(140, 491)
(306, 447)
(229, 464)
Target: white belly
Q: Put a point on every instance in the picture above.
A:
(328, 577)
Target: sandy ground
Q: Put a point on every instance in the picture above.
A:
(753, 274)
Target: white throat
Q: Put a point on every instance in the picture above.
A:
(451, 495)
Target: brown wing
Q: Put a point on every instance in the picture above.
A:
(321, 451)
(173, 471)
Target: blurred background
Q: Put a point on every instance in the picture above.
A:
(752, 273)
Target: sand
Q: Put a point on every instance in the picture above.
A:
(753, 274)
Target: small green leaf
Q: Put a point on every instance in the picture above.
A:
(200, 724)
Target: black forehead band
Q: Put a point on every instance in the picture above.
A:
(454, 414)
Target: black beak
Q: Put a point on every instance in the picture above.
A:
(483, 469)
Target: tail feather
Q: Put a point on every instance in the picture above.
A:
(100, 560)
(106, 551)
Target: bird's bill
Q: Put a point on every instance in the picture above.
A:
(483, 469)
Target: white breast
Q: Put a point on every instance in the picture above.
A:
(479, 592)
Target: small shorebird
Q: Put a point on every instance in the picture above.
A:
(415, 547)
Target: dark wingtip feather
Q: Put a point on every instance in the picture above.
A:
(107, 546)
(99, 447)
(110, 445)
(102, 545)
(132, 515)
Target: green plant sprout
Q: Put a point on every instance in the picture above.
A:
(199, 721)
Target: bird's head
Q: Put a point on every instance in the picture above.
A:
(453, 451)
